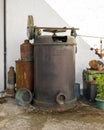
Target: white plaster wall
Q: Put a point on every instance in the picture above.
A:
(1, 48)
(17, 13)
(88, 16)
(83, 56)
(44, 15)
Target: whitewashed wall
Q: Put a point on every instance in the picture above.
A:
(17, 13)
(44, 15)
(1, 48)
(83, 56)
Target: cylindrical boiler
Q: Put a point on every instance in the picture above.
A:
(54, 61)
(24, 74)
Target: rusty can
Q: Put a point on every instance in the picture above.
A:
(10, 90)
(26, 50)
(11, 75)
(24, 74)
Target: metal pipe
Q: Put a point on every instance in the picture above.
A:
(91, 36)
(56, 28)
(5, 44)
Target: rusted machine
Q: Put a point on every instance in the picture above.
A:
(54, 68)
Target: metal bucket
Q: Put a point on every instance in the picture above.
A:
(54, 63)
(23, 96)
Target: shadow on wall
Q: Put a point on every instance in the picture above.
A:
(83, 56)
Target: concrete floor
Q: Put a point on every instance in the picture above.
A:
(83, 116)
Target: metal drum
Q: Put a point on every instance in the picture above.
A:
(54, 61)
(24, 74)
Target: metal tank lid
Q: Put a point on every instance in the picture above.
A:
(54, 40)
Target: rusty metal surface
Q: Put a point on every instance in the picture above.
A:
(54, 75)
(25, 74)
(52, 106)
(11, 75)
(26, 50)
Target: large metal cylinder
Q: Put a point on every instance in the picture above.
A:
(54, 61)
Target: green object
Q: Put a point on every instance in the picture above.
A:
(100, 92)
(23, 96)
(99, 103)
(91, 75)
(90, 85)
(100, 87)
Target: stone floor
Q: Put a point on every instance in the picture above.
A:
(83, 116)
